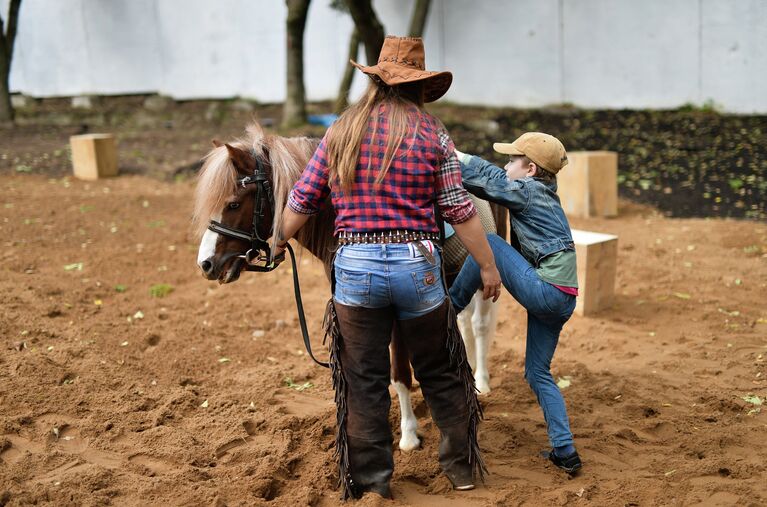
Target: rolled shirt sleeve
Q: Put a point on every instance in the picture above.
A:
(454, 202)
(311, 189)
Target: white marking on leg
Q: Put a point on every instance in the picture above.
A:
(208, 244)
(464, 325)
(484, 322)
(408, 424)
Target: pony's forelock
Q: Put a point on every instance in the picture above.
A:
(217, 179)
(215, 184)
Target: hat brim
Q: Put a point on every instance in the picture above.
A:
(507, 149)
(436, 84)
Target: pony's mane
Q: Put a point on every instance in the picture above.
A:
(288, 157)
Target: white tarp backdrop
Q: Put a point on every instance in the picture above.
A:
(590, 53)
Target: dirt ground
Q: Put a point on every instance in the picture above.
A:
(128, 379)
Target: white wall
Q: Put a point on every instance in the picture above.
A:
(591, 53)
(621, 54)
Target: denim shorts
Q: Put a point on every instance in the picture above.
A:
(397, 275)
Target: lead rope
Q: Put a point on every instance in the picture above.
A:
(300, 308)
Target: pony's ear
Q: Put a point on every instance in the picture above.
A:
(217, 143)
(240, 159)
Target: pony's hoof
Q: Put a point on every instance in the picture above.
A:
(409, 442)
(483, 385)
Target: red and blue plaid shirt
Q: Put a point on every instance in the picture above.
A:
(424, 169)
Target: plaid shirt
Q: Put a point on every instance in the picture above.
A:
(424, 169)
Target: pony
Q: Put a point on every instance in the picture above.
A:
(229, 202)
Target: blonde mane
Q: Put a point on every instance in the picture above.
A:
(216, 184)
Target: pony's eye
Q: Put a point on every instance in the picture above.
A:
(234, 205)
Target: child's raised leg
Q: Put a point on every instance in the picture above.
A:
(517, 275)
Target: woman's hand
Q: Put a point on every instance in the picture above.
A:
(279, 253)
(491, 281)
(473, 237)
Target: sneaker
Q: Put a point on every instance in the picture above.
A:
(570, 463)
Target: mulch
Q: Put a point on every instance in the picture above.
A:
(687, 162)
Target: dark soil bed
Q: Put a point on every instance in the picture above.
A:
(687, 163)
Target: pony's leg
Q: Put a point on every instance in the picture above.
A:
(402, 380)
(409, 423)
(484, 320)
(464, 325)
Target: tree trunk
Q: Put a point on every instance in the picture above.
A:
(7, 40)
(370, 29)
(420, 15)
(294, 112)
(346, 83)
(6, 109)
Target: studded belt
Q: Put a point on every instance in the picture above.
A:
(382, 237)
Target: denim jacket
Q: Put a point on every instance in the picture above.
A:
(537, 215)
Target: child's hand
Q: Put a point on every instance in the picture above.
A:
(462, 157)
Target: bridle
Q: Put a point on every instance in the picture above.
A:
(259, 256)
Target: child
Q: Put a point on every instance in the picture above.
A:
(543, 277)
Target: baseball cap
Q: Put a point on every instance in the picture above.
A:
(545, 150)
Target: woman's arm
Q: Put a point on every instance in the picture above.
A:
(458, 210)
(291, 223)
(305, 199)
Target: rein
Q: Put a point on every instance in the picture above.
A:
(259, 257)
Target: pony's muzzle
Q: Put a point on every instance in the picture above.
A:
(208, 268)
(225, 268)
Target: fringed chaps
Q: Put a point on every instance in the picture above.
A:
(458, 358)
(332, 331)
(438, 357)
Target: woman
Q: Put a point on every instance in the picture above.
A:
(385, 163)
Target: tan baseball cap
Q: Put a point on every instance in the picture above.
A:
(545, 150)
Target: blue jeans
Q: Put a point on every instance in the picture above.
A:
(548, 308)
(395, 274)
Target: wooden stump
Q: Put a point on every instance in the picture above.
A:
(94, 156)
(588, 184)
(597, 255)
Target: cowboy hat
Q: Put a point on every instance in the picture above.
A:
(402, 61)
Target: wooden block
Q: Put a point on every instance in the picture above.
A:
(94, 156)
(597, 256)
(588, 184)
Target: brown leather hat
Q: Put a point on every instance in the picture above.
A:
(402, 61)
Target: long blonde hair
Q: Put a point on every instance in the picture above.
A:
(402, 104)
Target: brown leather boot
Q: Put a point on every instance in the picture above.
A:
(439, 362)
(360, 362)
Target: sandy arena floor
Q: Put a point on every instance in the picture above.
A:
(110, 395)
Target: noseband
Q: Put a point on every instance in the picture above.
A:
(259, 256)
